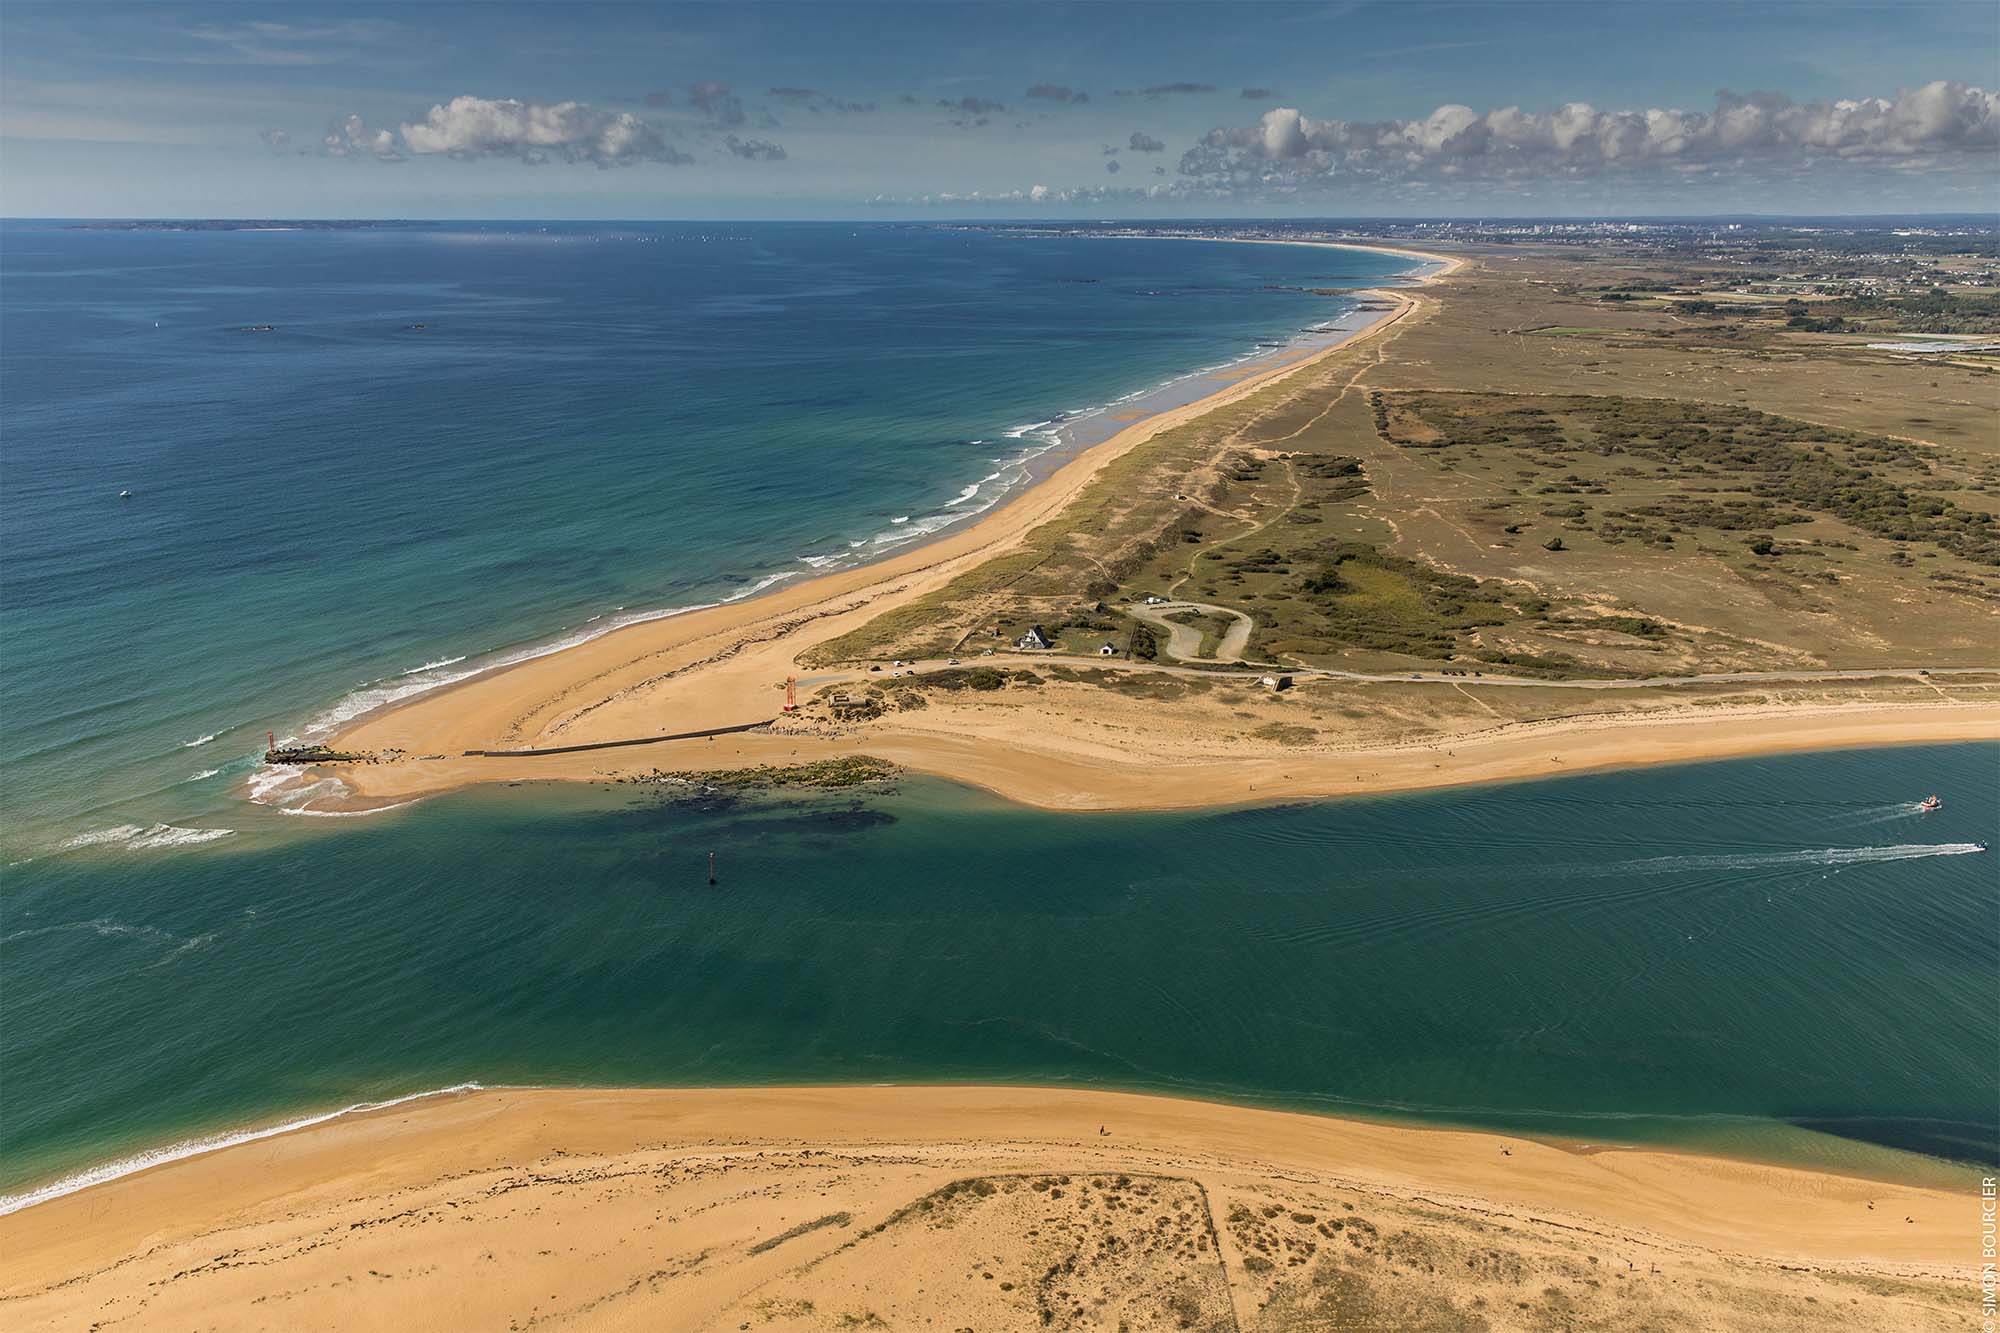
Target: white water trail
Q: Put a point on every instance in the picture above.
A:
(1824, 856)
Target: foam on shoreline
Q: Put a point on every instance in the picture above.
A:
(175, 1152)
(1045, 446)
(382, 693)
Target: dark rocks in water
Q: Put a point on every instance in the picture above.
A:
(823, 774)
(853, 819)
(313, 754)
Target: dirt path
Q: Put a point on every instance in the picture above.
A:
(1184, 641)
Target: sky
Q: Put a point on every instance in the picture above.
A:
(941, 109)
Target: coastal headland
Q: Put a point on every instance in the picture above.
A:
(808, 1208)
(1408, 634)
(1479, 540)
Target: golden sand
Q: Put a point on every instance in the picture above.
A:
(822, 1208)
(726, 666)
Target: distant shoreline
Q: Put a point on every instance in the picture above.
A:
(896, 577)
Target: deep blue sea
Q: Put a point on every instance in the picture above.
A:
(1775, 957)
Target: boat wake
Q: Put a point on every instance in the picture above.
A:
(1884, 814)
(1820, 857)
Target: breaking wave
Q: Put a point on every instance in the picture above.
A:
(451, 670)
(125, 1166)
(149, 838)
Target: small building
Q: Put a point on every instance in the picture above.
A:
(1275, 683)
(1107, 650)
(1033, 641)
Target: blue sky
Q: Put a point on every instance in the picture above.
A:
(939, 109)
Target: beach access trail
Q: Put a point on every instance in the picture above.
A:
(725, 666)
(723, 669)
(789, 1208)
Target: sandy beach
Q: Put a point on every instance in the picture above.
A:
(795, 1208)
(725, 666)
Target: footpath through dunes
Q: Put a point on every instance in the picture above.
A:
(1306, 522)
(725, 666)
(989, 1207)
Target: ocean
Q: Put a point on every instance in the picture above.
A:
(457, 443)
(1774, 957)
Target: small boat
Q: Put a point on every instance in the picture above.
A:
(1930, 804)
(124, 495)
(1980, 845)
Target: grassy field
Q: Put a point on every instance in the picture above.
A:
(1526, 479)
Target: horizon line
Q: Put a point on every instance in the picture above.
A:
(1479, 218)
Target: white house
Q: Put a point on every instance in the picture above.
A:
(1033, 641)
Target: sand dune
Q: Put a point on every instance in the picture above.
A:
(911, 1208)
(726, 665)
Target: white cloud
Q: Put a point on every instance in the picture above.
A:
(472, 127)
(1743, 130)
(352, 138)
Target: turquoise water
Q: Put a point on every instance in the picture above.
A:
(1772, 957)
(593, 422)
(1777, 957)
